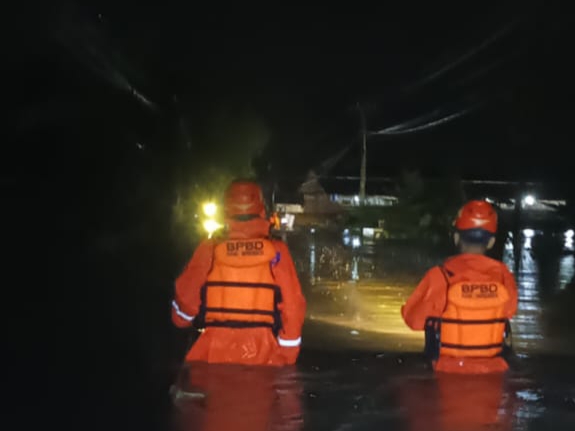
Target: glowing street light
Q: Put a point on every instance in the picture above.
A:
(210, 209)
(211, 226)
(529, 200)
(569, 239)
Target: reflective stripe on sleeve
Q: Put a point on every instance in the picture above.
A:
(289, 343)
(181, 313)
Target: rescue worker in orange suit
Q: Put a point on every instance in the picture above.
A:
(242, 289)
(464, 305)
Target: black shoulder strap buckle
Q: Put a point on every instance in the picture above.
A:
(432, 337)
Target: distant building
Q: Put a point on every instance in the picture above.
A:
(370, 200)
(315, 198)
(291, 208)
(333, 195)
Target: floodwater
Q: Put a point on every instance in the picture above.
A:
(361, 368)
(103, 354)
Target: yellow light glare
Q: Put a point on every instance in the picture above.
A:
(210, 209)
(211, 226)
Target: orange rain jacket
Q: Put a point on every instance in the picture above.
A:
(250, 302)
(434, 298)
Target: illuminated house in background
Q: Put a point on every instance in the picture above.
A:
(333, 195)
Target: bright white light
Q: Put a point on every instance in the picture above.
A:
(355, 242)
(528, 233)
(529, 200)
(211, 226)
(489, 200)
(209, 209)
(569, 239)
(368, 232)
(356, 198)
(312, 230)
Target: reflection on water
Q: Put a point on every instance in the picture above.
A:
(232, 397)
(312, 260)
(355, 268)
(566, 270)
(526, 325)
(353, 391)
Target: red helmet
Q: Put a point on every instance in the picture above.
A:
(477, 215)
(244, 197)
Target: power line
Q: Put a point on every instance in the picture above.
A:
(469, 54)
(90, 47)
(401, 129)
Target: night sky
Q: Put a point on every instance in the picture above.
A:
(304, 73)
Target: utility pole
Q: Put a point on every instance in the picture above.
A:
(363, 168)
